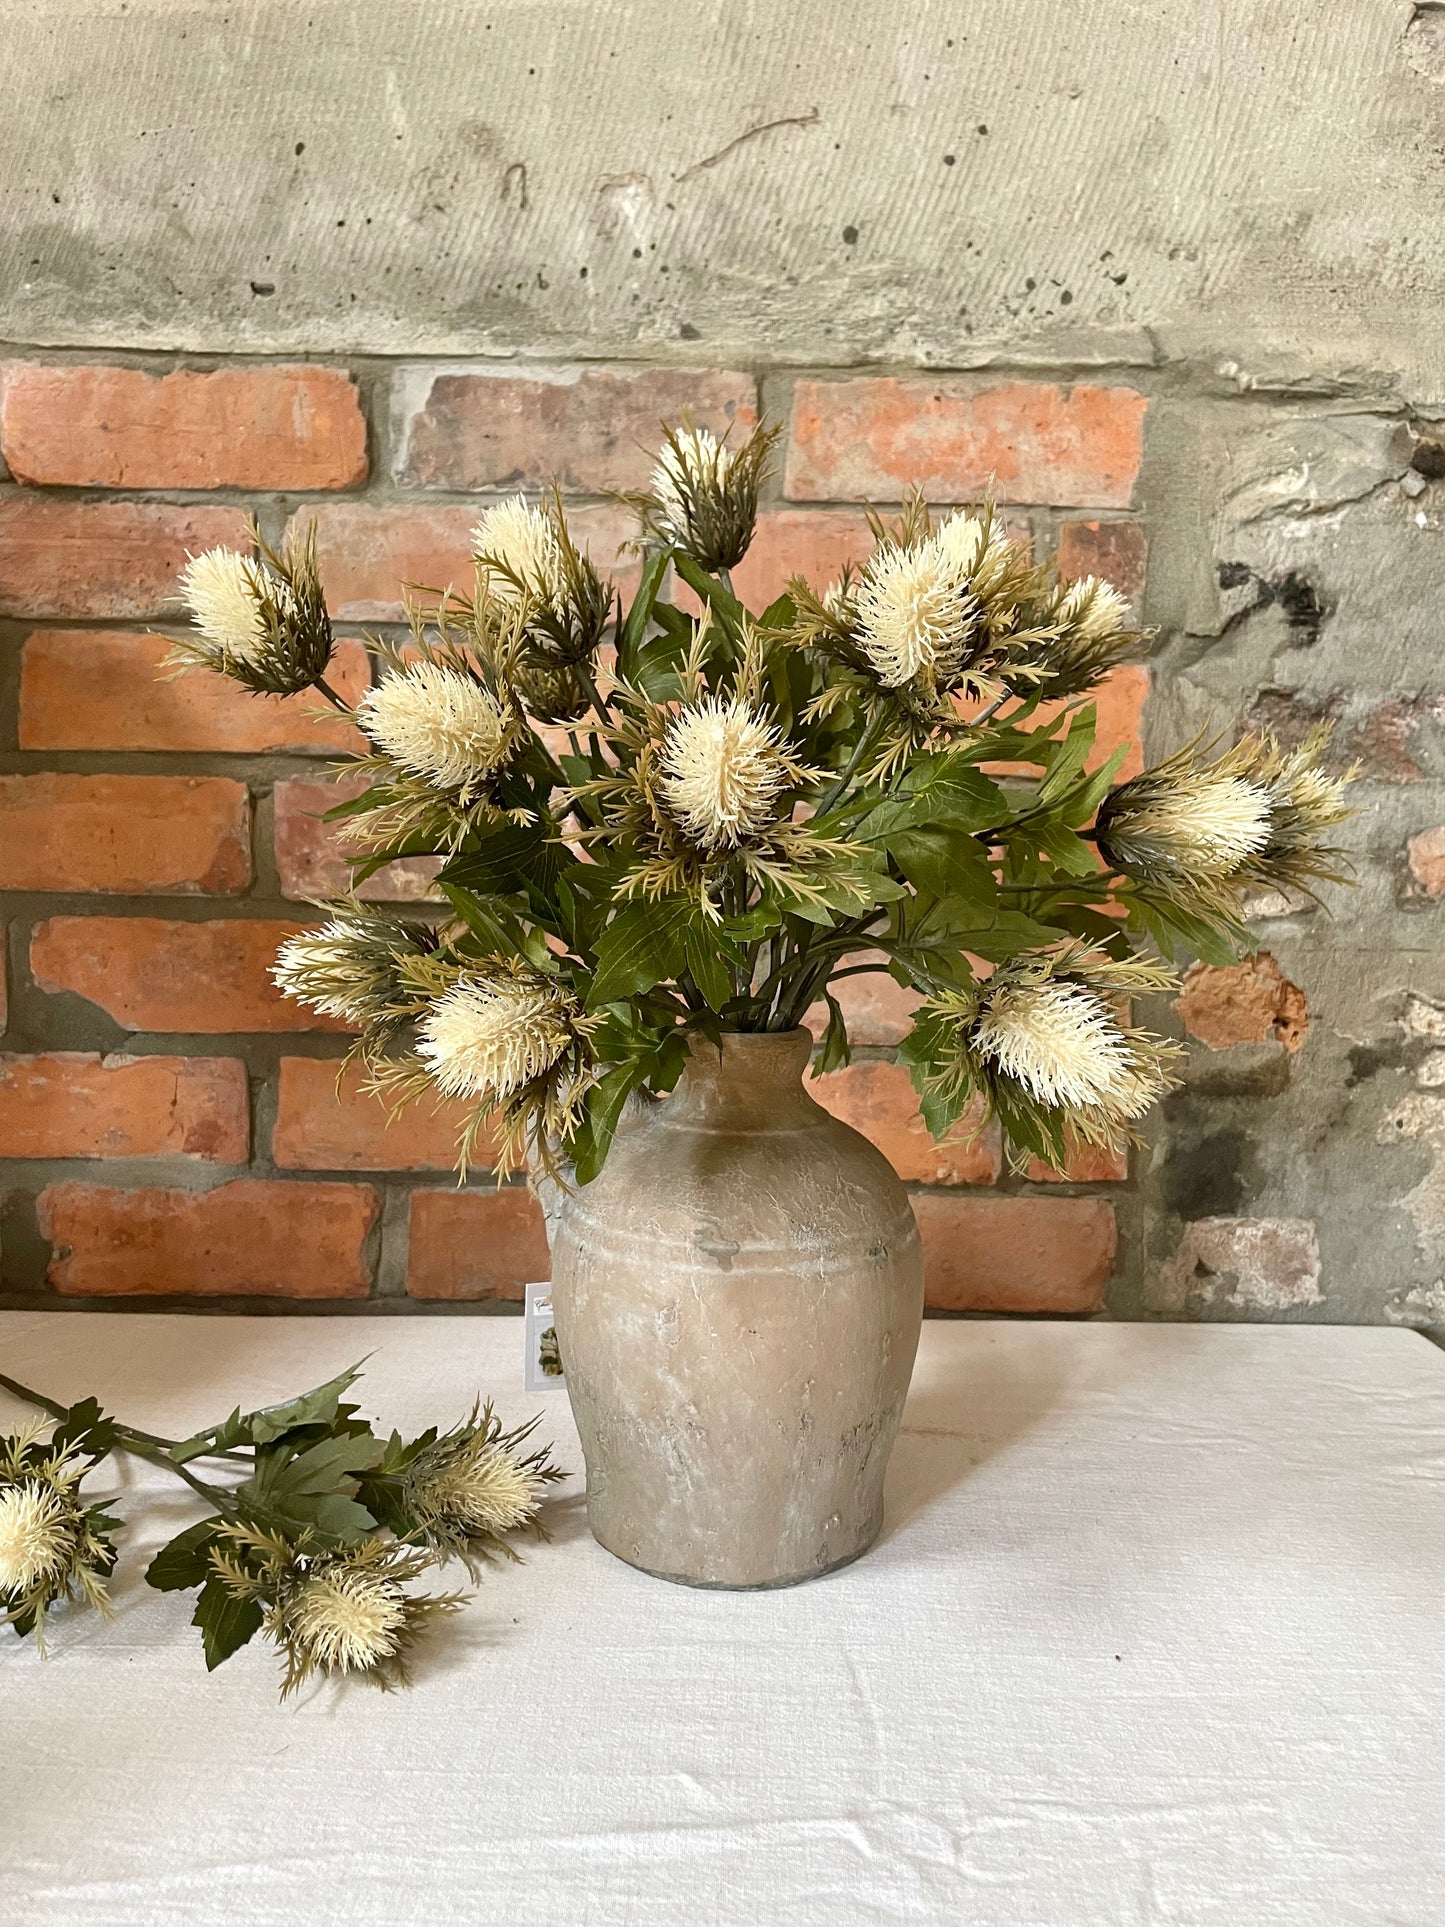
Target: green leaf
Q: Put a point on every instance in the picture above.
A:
(944, 790)
(185, 1561)
(1068, 760)
(645, 944)
(710, 590)
(317, 1407)
(835, 1051)
(929, 1050)
(226, 1622)
(506, 855)
(639, 616)
(999, 936)
(949, 864)
(604, 1108)
(85, 1428)
(312, 1490)
(705, 963)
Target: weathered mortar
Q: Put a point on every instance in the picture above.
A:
(1235, 208)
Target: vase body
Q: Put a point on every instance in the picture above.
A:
(738, 1297)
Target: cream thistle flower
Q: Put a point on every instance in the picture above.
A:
(723, 768)
(52, 1544)
(1063, 1044)
(914, 610)
(347, 1620)
(1305, 803)
(224, 590)
(441, 725)
(517, 546)
(704, 494)
(1187, 822)
(693, 464)
(262, 622)
(488, 1037)
(352, 968)
(463, 1491)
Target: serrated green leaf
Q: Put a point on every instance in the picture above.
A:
(706, 966)
(226, 1622)
(316, 1407)
(949, 864)
(605, 1103)
(312, 1490)
(185, 1561)
(85, 1429)
(645, 944)
(639, 616)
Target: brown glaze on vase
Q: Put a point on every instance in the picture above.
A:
(738, 1297)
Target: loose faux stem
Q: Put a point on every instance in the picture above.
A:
(128, 1438)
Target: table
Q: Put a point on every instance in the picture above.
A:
(1154, 1635)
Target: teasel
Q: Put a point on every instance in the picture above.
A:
(261, 619)
(512, 1040)
(1041, 1042)
(1190, 825)
(1306, 803)
(529, 563)
(462, 1492)
(54, 1545)
(704, 494)
(1084, 631)
(338, 1612)
(704, 788)
(441, 723)
(360, 967)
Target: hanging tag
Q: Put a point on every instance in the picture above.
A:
(544, 1363)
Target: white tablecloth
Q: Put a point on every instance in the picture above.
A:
(1156, 1634)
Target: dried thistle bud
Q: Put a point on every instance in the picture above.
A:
(263, 622)
(1086, 631)
(915, 612)
(352, 967)
(723, 769)
(704, 497)
(1064, 1045)
(1306, 802)
(1186, 821)
(53, 1545)
(494, 1033)
(465, 1490)
(531, 568)
(517, 546)
(442, 724)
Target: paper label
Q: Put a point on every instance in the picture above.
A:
(544, 1363)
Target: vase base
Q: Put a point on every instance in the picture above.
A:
(745, 1585)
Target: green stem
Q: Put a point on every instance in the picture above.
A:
(331, 696)
(845, 777)
(129, 1438)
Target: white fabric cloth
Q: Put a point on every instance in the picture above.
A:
(1154, 1635)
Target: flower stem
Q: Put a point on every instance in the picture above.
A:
(331, 696)
(128, 1438)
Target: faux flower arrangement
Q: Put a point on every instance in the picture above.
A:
(318, 1546)
(655, 822)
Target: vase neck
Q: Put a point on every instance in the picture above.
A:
(753, 1083)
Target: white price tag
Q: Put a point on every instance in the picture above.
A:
(544, 1362)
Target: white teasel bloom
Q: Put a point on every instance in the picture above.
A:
(346, 1620)
(1093, 609)
(481, 1489)
(722, 770)
(440, 724)
(1207, 822)
(37, 1543)
(223, 590)
(914, 609)
(348, 968)
(693, 466)
(488, 1037)
(522, 542)
(1063, 1044)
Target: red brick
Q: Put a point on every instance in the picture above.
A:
(64, 557)
(74, 1104)
(131, 835)
(93, 425)
(476, 1244)
(369, 553)
(813, 543)
(872, 438)
(879, 1100)
(1117, 551)
(309, 855)
(185, 978)
(96, 689)
(593, 429)
(1252, 1002)
(1119, 720)
(1425, 855)
(323, 1125)
(876, 1009)
(1015, 1254)
(248, 1238)
(1087, 1164)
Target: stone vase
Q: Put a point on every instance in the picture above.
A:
(738, 1298)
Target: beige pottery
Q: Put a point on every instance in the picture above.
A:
(737, 1297)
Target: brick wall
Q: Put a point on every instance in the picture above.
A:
(172, 1125)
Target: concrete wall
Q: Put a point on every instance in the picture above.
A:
(1232, 210)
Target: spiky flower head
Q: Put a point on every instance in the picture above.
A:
(496, 1031)
(1306, 802)
(441, 724)
(1042, 1042)
(353, 967)
(704, 496)
(53, 1545)
(723, 768)
(261, 621)
(517, 546)
(339, 1612)
(464, 1491)
(914, 610)
(1187, 821)
(1083, 631)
